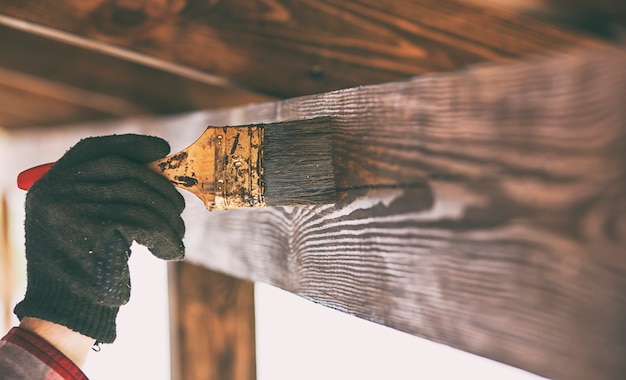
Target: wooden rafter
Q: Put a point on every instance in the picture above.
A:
(291, 48)
(77, 84)
(483, 209)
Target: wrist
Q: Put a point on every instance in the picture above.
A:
(72, 344)
(50, 300)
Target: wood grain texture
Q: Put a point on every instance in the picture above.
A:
(289, 47)
(483, 209)
(7, 282)
(600, 17)
(77, 85)
(213, 328)
(41, 102)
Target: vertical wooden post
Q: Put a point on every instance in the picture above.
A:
(6, 276)
(212, 325)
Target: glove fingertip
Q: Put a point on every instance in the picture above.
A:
(160, 146)
(138, 148)
(145, 148)
(167, 252)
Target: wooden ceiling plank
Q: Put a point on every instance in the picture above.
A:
(67, 73)
(292, 48)
(23, 108)
(604, 18)
(68, 94)
(115, 51)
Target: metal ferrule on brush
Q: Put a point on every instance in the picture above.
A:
(239, 167)
(224, 168)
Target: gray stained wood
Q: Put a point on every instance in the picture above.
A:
(287, 48)
(484, 209)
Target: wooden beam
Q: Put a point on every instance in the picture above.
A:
(76, 85)
(44, 103)
(7, 282)
(599, 17)
(213, 325)
(289, 48)
(483, 209)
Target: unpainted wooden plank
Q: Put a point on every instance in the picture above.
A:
(213, 329)
(604, 18)
(289, 48)
(43, 104)
(56, 73)
(7, 282)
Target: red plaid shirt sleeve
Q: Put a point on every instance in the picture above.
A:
(24, 355)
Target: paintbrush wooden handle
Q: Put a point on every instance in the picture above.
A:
(280, 164)
(223, 168)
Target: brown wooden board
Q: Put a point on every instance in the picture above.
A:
(7, 281)
(213, 325)
(62, 79)
(602, 18)
(36, 105)
(289, 48)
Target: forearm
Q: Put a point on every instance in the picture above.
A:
(71, 343)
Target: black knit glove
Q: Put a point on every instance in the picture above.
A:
(81, 218)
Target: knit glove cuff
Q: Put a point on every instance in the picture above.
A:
(49, 299)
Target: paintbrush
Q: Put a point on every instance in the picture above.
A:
(279, 164)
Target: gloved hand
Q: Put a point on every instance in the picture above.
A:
(81, 218)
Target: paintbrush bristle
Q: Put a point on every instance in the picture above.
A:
(298, 163)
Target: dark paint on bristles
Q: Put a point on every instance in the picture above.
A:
(298, 163)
